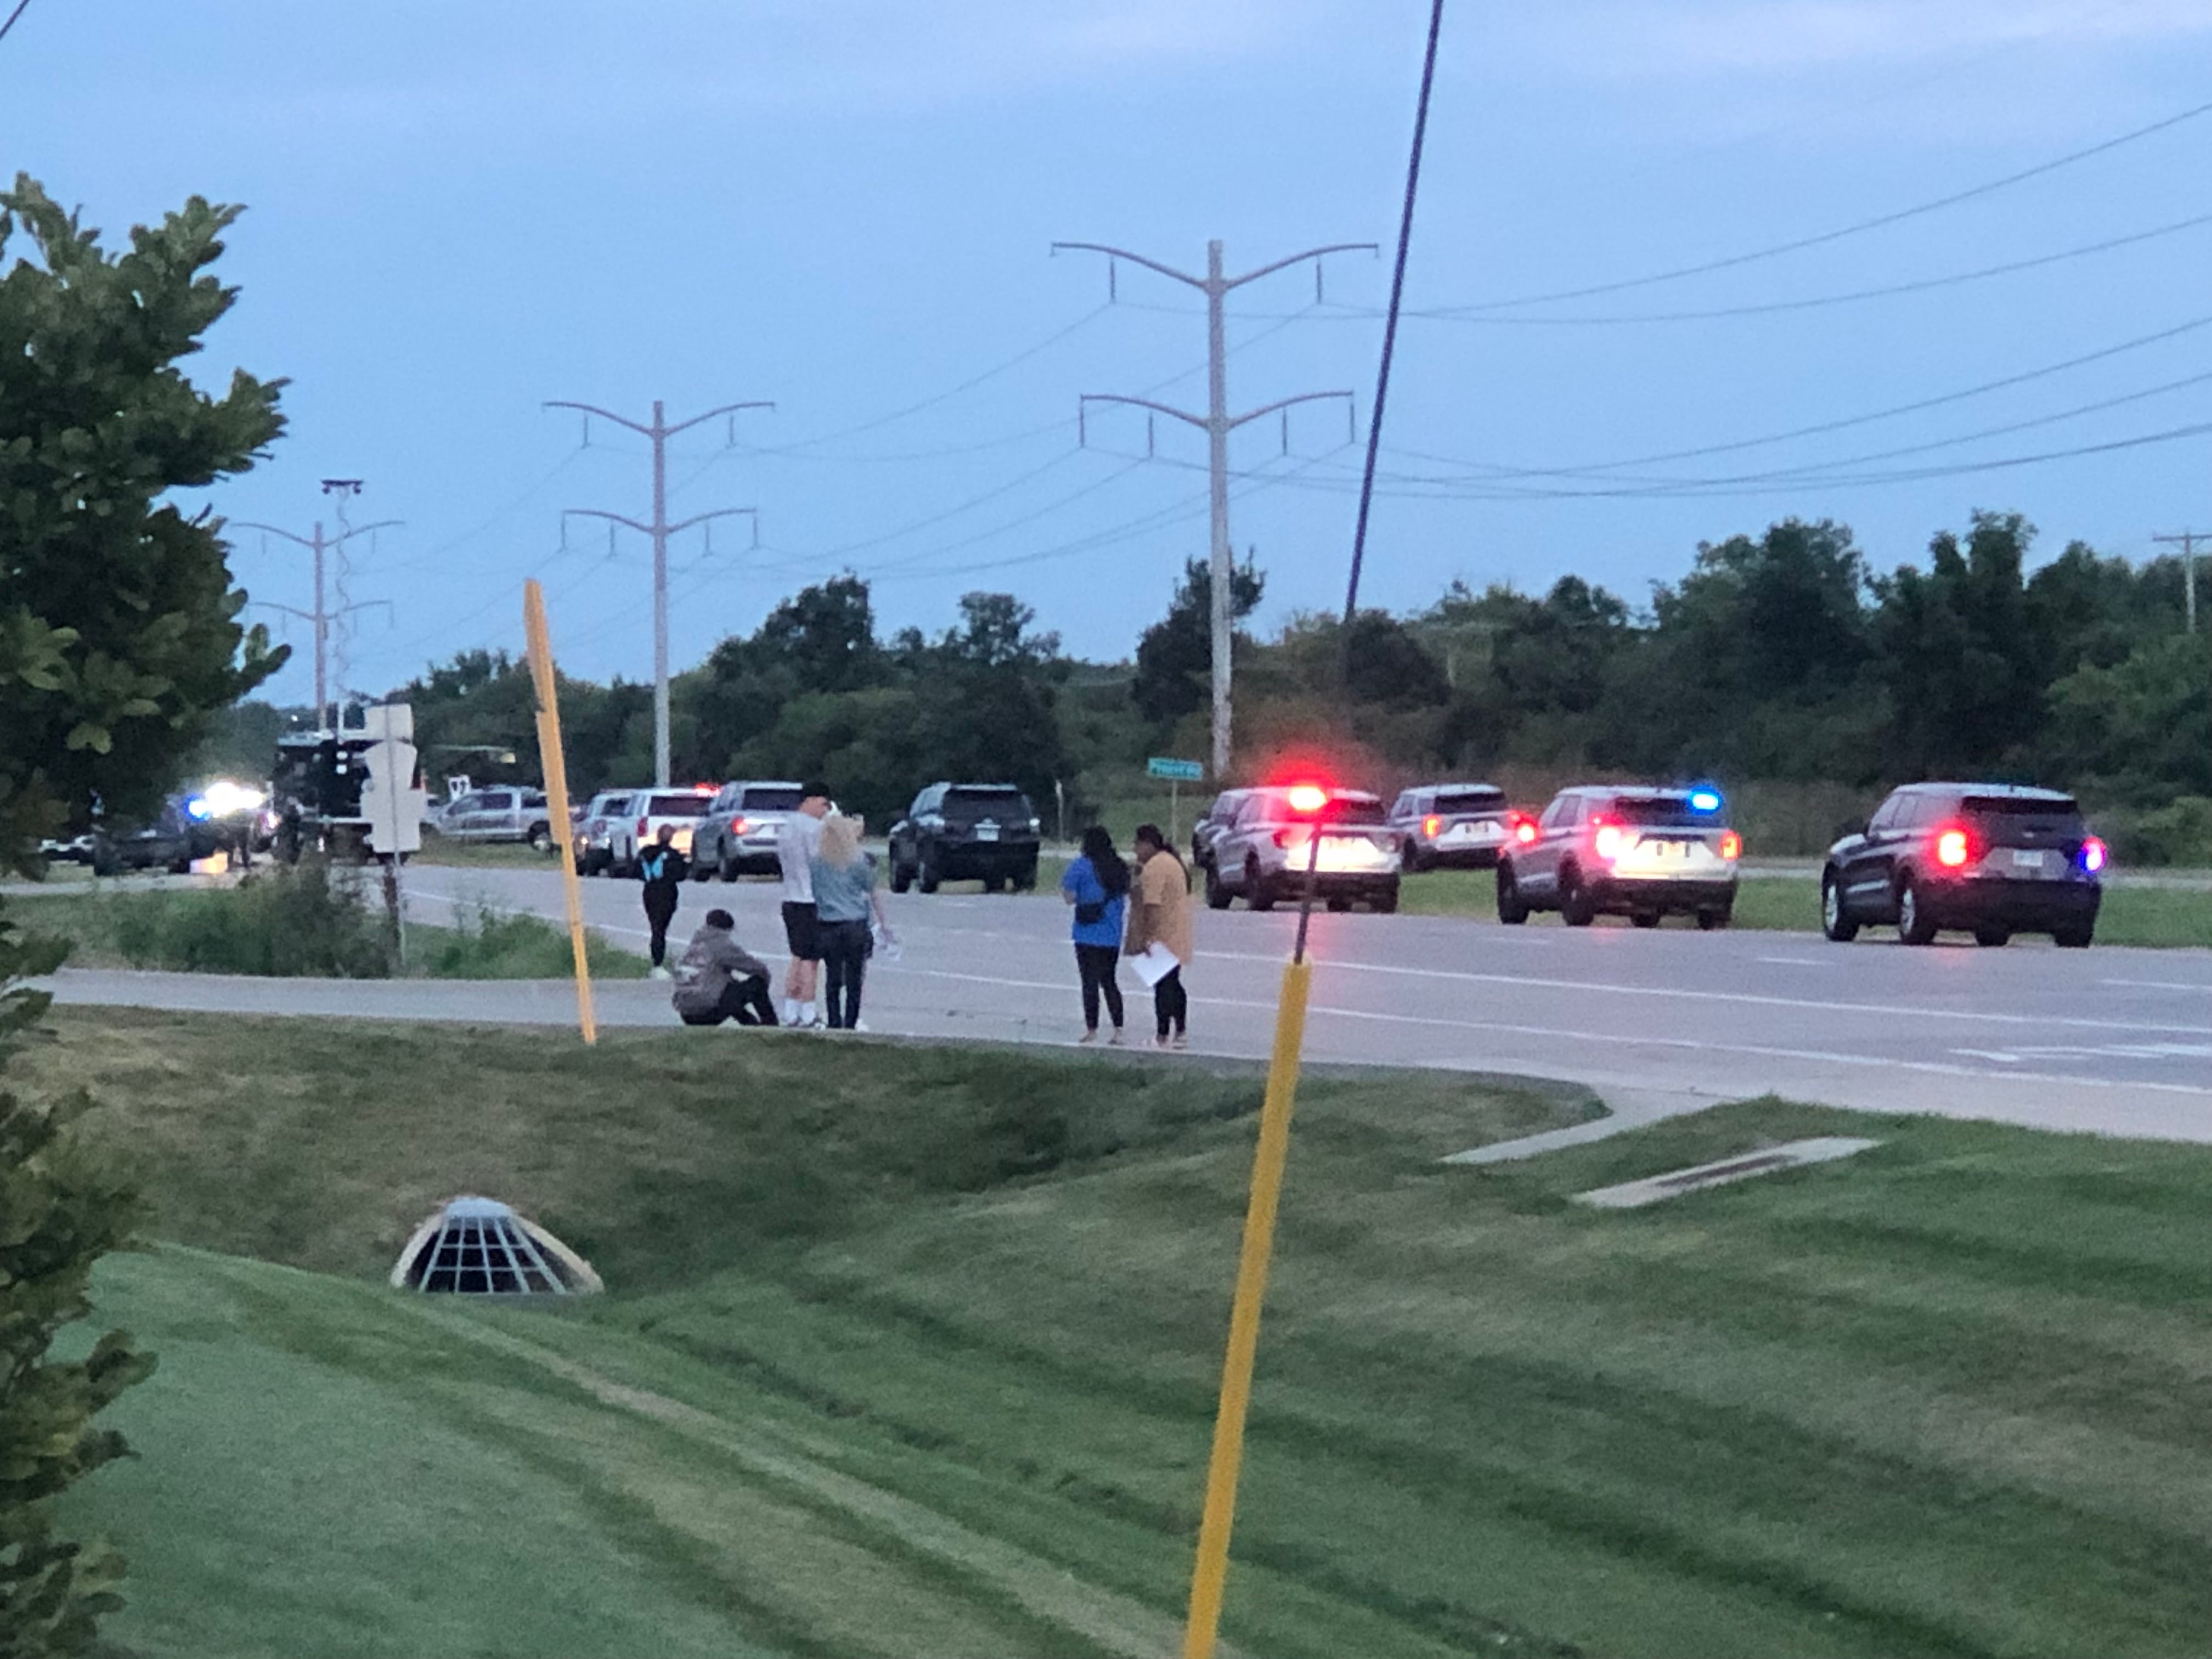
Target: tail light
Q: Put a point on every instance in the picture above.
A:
(1432, 826)
(1953, 848)
(1524, 830)
(1731, 844)
(1288, 838)
(1611, 842)
(641, 829)
(738, 826)
(2092, 855)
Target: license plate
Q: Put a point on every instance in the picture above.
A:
(2023, 859)
(986, 832)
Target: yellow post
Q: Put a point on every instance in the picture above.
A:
(1267, 1162)
(557, 790)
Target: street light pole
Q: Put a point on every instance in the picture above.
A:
(1216, 425)
(658, 531)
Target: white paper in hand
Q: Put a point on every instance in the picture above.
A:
(1155, 964)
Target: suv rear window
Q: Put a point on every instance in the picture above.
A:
(1345, 809)
(675, 807)
(2013, 806)
(765, 800)
(1449, 801)
(967, 805)
(1661, 811)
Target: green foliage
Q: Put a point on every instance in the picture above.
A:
(60, 1211)
(118, 624)
(1175, 655)
(279, 922)
(493, 943)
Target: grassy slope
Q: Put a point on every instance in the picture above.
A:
(2130, 916)
(906, 1325)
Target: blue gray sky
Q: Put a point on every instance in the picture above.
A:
(457, 211)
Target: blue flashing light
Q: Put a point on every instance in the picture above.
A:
(1704, 800)
(197, 808)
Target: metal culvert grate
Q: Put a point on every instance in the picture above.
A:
(479, 1247)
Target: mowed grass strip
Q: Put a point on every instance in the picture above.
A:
(1951, 1396)
(2152, 916)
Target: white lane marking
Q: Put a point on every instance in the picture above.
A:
(2155, 984)
(2102, 1051)
(1794, 962)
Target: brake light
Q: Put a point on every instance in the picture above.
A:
(2092, 855)
(738, 826)
(1292, 837)
(641, 829)
(1432, 826)
(1951, 849)
(1731, 844)
(1610, 842)
(1524, 830)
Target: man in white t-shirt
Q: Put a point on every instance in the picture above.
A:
(796, 844)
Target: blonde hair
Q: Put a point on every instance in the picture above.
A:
(841, 842)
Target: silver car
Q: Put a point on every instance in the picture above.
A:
(1623, 850)
(737, 837)
(503, 813)
(1263, 855)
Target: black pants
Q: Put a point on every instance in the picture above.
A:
(1171, 1003)
(844, 947)
(659, 911)
(745, 1001)
(1096, 963)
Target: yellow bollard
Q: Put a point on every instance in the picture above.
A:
(557, 790)
(1212, 1570)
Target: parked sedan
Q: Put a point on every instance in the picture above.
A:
(1264, 856)
(738, 835)
(1627, 850)
(1455, 826)
(1991, 860)
(509, 813)
(960, 832)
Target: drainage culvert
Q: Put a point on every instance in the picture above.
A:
(479, 1247)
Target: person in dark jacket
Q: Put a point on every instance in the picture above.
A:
(719, 979)
(662, 868)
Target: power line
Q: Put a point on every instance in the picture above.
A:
(20, 7)
(1879, 222)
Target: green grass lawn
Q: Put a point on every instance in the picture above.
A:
(484, 855)
(913, 1350)
(2130, 916)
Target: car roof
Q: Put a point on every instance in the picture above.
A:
(2008, 790)
(1438, 788)
(1656, 791)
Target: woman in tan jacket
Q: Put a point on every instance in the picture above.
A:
(1159, 913)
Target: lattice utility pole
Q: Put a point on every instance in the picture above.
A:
(1216, 423)
(2186, 541)
(660, 530)
(321, 618)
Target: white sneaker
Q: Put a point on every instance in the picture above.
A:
(860, 1025)
(662, 973)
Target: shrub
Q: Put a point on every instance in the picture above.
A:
(282, 921)
(494, 945)
(59, 1212)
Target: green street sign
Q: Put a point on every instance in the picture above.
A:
(1182, 771)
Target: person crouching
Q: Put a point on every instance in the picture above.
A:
(719, 979)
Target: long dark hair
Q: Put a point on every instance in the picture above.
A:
(1113, 874)
(1151, 832)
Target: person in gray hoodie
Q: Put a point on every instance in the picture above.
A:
(719, 979)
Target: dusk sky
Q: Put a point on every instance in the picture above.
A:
(457, 212)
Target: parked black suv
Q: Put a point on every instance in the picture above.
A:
(966, 831)
(1989, 859)
(168, 840)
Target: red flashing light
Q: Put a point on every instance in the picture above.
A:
(1953, 850)
(1307, 799)
(1731, 844)
(1524, 830)
(1432, 826)
(2093, 855)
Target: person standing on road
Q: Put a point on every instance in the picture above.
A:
(1161, 916)
(662, 868)
(796, 842)
(846, 899)
(1097, 884)
(719, 979)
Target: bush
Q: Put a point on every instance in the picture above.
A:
(497, 946)
(59, 1212)
(282, 921)
(2179, 833)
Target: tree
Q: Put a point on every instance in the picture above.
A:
(1175, 655)
(119, 637)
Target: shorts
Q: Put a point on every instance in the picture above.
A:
(800, 928)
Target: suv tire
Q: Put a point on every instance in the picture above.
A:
(1575, 907)
(1834, 923)
(724, 865)
(1256, 896)
(2074, 938)
(1993, 939)
(1914, 925)
(1386, 901)
(1712, 920)
(927, 872)
(541, 838)
(1216, 896)
(902, 876)
(1024, 881)
(1512, 908)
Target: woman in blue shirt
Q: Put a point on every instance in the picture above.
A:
(1098, 886)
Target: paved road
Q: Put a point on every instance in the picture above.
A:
(2114, 1039)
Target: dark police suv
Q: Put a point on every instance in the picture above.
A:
(1989, 859)
(955, 831)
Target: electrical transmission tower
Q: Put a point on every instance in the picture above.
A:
(660, 530)
(324, 614)
(1216, 423)
(2186, 541)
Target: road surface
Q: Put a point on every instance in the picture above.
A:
(2117, 1041)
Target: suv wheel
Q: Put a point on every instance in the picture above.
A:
(926, 871)
(1993, 937)
(1576, 909)
(1216, 896)
(2074, 938)
(1512, 908)
(1711, 921)
(1914, 925)
(1385, 902)
(1256, 896)
(1416, 861)
(541, 838)
(1833, 922)
(902, 876)
(1024, 881)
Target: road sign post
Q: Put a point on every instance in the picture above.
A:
(1177, 773)
(391, 802)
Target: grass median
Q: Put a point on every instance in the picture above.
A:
(2152, 916)
(913, 1350)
